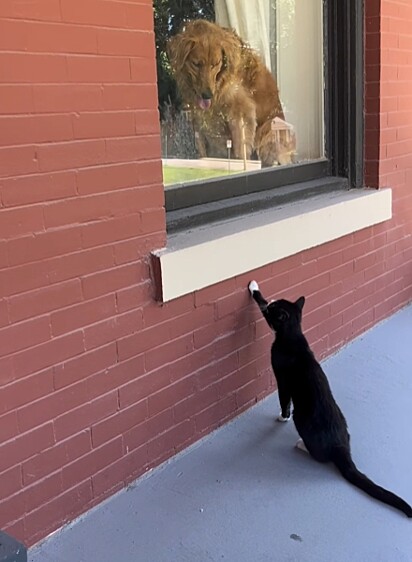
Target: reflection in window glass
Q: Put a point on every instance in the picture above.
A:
(240, 85)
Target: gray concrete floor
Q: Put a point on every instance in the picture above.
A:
(244, 494)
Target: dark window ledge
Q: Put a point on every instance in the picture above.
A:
(199, 215)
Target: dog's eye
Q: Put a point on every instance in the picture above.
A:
(197, 64)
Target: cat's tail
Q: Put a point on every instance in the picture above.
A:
(343, 461)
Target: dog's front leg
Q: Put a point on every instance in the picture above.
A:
(242, 123)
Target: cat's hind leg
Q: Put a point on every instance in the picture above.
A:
(285, 401)
(301, 446)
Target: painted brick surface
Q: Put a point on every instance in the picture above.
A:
(99, 383)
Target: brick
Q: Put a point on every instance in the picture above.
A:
(232, 303)
(66, 155)
(32, 68)
(34, 129)
(110, 230)
(7, 369)
(143, 385)
(52, 515)
(137, 248)
(112, 329)
(10, 483)
(17, 222)
(103, 125)
(4, 262)
(124, 470)
(79, 264)
(61, 38)
(171, 395)
(26, 390)
(108, 177)
(100, 69)
(48, 354)
(147, 123)
(213, 417)
(44, 245)
(54, 458)
(25, 446)
(8, 426)
(25, 334)
(169, 352)
(212, 331)
(127, 43)
(48, 10)
(144, 340)
(235, 381)
(215, 371)
(53, 98)
(191, 405)
(140, 16)
(44, 300)
(133, 148)
(94, 207)
(37, 188)
(85, 365)
(18, 160)
(82, 314)
(16, 98)
(85, 416)
(113, 279)
(129, 96)
(211, 294)
(102, 14)
(94, 460)
(51, 405)
(30, 498)
(170, 440)
(115, 377)
(143, 69)
(140, 434)
(118, 424)
(134, 296)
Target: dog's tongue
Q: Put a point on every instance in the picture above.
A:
(204, 104)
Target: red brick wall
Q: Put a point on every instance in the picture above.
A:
(99, 382)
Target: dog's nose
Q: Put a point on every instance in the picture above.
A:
(207, 95)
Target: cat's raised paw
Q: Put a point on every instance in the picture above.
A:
(253, 286)
(280, 418)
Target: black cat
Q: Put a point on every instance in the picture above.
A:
(302, 382)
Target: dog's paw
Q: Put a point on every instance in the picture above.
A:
(280, 418)
(253, 286)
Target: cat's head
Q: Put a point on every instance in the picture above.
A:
(285, 315)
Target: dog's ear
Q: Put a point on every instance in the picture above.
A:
(231, 49)
(178, 49)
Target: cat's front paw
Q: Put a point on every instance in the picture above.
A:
(253, 286)
(280, 418)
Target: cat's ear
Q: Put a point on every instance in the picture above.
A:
(300, 302)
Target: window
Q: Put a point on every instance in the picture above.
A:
(254, 96)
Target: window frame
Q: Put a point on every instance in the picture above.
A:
(194, 203)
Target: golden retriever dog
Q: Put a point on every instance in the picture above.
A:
(231, 93)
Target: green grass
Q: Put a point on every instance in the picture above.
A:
(172, 174)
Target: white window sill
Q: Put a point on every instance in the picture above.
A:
(199, 258)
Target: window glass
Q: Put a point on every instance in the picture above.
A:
(240, 85)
